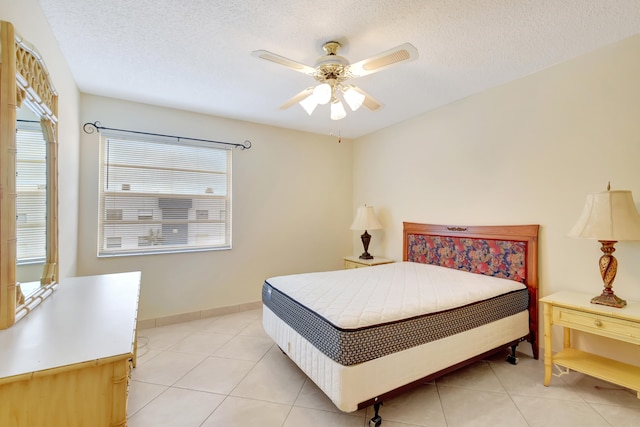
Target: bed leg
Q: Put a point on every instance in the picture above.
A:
(512, 357)
(377, 419)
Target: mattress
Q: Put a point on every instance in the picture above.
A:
(396, 306)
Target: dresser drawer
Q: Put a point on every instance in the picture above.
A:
(620, 329)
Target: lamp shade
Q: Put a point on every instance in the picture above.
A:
(365, 219)
(354, 98)
(608, 216)
(322, 93)
(309, 104)
(337, 110)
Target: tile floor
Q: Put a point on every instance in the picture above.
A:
(226, 372)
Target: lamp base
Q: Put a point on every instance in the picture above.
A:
(610, 300)
(608, 268)
(366, 238)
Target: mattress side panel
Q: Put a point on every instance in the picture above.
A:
(347, 386)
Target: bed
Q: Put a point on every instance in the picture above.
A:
(460, 294)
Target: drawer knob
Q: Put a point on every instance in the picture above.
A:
(597, 322)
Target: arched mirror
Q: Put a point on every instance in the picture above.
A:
(28, 179)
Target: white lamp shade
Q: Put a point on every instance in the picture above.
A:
(353, 98)
(337, 111)
(322, 93)
(309, 104)
(365, 219)
(608, 216)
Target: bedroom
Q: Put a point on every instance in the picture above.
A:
(540, 143)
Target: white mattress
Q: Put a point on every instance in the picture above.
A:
(362, 297)
(347, 386)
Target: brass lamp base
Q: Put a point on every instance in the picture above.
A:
(609, 299)
(608, 269)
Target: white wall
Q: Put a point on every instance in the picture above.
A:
(29, 21)
(292, 207)
(526, 152)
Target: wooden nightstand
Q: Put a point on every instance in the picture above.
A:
(573, 310)
(355, 262)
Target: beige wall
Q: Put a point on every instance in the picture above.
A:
(526, 152)
(292, 195)
(28, 20)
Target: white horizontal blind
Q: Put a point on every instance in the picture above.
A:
(159, 196)
(31, 193)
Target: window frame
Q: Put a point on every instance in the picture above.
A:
(181, 209)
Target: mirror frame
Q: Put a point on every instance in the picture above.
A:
(24, 80)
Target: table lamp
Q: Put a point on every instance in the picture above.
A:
(608, 216)
(365, 220)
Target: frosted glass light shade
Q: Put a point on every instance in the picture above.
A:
(353, 98)
(337, 111)
(322, 93)
(365, 219)
(608, 216)
(309, 104)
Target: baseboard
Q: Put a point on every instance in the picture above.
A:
(197, 315)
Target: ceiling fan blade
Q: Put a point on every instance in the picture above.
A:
(297, 98)
(369, 101)
(403, 53)
(293, 65)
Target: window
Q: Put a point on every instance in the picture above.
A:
(159, 196)
(31, 193)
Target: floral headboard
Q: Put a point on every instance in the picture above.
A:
(508, 251)
(500, 258)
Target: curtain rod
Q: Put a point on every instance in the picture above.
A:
(92, 127)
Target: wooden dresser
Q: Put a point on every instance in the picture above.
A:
(68, 362)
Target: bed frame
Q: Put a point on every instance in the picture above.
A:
(507, 251)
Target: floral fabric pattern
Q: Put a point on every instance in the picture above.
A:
(499, 258)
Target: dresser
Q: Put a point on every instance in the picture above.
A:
(355, 262)
(68, 362)
(574, 311)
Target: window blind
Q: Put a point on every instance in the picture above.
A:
(159, 196)
(31, 193)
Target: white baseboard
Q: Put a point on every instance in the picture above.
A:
(197, 315)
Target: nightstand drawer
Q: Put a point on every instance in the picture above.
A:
(351, 264)
(594, 323)
(355, 262)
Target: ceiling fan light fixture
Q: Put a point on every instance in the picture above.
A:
(309, 104)
(322, 93)
(337, 110)
(353, 98)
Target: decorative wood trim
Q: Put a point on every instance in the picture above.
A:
(24, 78)
(7, 175)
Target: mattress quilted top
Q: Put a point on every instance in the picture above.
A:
(362, 297)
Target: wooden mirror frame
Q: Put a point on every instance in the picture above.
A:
(24, 80)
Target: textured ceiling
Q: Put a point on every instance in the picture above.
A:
(195, 55)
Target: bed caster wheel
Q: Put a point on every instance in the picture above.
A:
(512, 357)
(377, 419)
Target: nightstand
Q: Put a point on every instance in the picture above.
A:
(355, 262)
(573, 310)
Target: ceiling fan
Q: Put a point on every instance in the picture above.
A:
(332, 72)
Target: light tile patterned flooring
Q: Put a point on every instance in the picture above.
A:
(226, 372)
